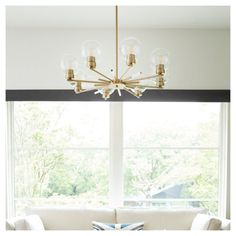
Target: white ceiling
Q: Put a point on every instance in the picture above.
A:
(129, 16)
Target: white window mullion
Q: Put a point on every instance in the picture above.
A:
(10, 183)
(223, 159)
(116, 155)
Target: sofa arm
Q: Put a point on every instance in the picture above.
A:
(15, 223)
(31, 222)
(210, 222)
(225, 225)
(9, 226)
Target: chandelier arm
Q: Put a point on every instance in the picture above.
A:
(131, 86)
(101, 85)
(72, 81)
(147, 87)
(101, 74)
(97, 85)
(126, 71)
(131, 82)
(86, 81)
(104, 81)
(144, 78)
(127, 78)
(106, 85)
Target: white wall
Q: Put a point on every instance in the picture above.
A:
(200, 59)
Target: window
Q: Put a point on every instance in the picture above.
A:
(170, 154)
(61, 154)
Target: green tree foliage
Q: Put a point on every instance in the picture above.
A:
(45, 168)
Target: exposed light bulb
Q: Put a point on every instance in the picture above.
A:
(138, 92)
(69, 62)
(106, 93)
(136, 75)
(80, 74)
(129, 46)
(160, 56)
(113, 74)
(91, 48)
(102, 90)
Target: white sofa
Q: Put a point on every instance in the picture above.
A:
(81, 219)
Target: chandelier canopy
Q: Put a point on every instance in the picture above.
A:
(134, 84)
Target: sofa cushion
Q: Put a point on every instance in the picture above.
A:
(159, 219)
(33, 222)
(81, 219)
(205, 222)
(58, 218)
(108, 226)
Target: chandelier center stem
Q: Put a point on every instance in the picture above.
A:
(117, 46)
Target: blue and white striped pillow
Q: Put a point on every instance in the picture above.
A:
(107, 226)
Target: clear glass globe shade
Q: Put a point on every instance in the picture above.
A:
(80, 74)
(91, 48)
(130, 46)
(153, 69)
(166, 79)
(112, 91)
(160, 56)
(136, 75)
(69, 62)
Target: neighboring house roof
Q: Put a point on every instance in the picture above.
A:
(173, 191)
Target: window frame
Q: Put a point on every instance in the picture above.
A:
(116, 198)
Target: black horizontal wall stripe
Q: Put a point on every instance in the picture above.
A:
(164, 95)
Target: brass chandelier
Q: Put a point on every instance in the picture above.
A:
(107, 85)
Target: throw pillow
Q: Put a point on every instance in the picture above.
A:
(205, 222)
(214, 224)
(106, 226)
(33, 222)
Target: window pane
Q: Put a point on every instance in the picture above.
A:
(72, 178)
(51, 168)
(171, 154)
(155, 124)
(61, 124)
(154, 175)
